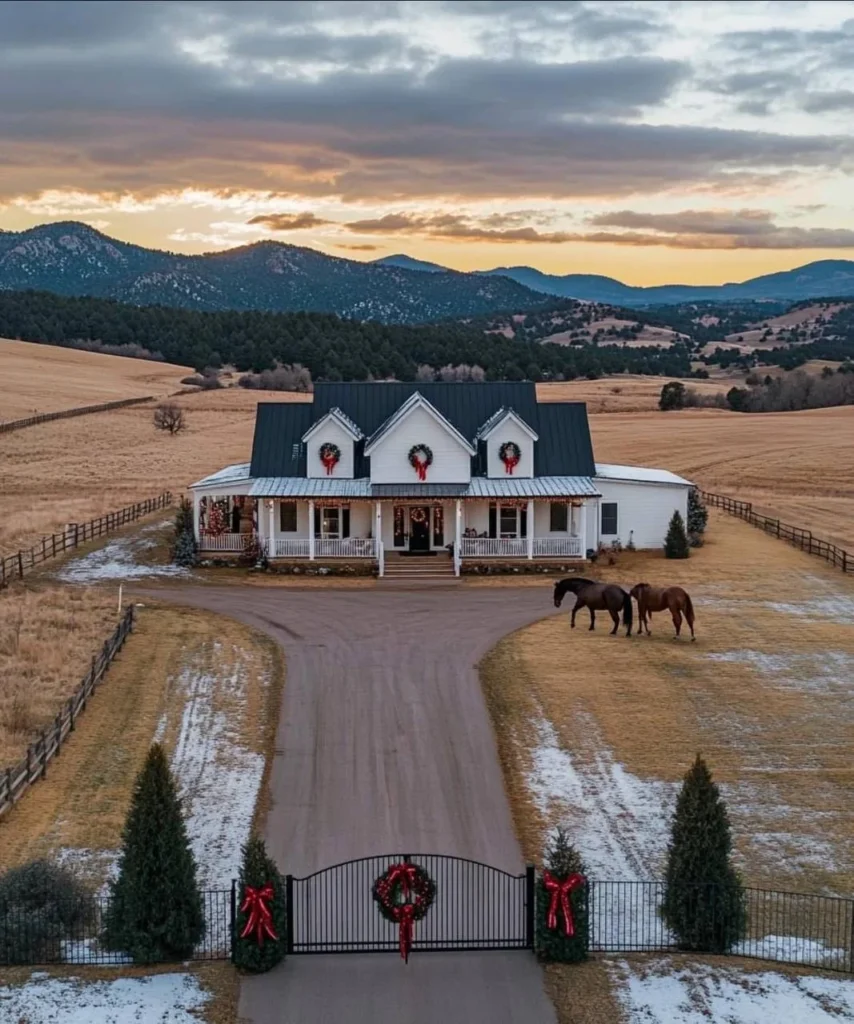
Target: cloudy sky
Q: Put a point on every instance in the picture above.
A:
(658, 141)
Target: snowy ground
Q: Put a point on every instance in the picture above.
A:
(160, 999)
(659, 992)
(121, 559)
(218, 776)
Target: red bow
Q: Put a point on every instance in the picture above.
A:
(260, 919)
(404, 914)
(329, 462)
(421, 468)
(560, 891)
(510, 463)
(403, 873)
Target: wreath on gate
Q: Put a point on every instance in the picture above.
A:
(403, 896)
(420, 458)
(330, 456)
(511, 455)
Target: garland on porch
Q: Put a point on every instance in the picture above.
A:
(403, 896)
(330, 456)
(420, 458)
(511, 455)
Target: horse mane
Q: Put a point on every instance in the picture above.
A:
(571, 582)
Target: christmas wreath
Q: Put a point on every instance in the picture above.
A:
(418, 515)
(420, 458)
(403, 895)
(511, 455)
(330, 456)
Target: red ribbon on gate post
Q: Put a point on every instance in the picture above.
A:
(260, 919)
(559, 891)
(405, 916)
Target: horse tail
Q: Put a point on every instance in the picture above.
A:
(689, 609)
(627, 610)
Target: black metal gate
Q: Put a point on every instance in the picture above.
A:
(476, 907)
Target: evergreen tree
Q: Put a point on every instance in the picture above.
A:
(184, 550)
(184, 517)
(257, 871)
(676, 541)
(703, 899)
(562, 860)
(698, 516)
(155, 913)
(672, 396)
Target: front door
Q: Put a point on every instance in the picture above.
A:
(419, 528)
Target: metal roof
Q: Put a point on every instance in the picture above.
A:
(344, 421)
(415, 401)
(639, 475)
(564, 447)
(230, 475)
(495, 421)
(480, 487)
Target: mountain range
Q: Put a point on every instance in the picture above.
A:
(71, 258)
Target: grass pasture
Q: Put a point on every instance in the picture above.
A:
(597, 731)
(46, 378)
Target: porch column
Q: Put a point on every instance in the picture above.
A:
(311, 529)
(530, 529)
(583, 529)
(197, 517)
(458, 527)
(271, 529)
(378, 524)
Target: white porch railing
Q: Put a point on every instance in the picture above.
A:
(284, 547)
(517, 547)
(347, 547)
(561, 547)
(493, 547)
(224, 541)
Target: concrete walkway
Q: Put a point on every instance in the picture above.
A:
(385, 744)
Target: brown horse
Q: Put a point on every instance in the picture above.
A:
(658, 599)
(597, 597)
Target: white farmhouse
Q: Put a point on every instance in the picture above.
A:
(437, 477)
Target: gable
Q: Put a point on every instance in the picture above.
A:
(451, 454)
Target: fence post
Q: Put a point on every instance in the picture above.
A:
(44, 754)
(530, 901)
(71, 714)
(29, 763)
(20, 565)
(289, 913)
(58, 733)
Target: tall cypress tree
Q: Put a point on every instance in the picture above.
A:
(676, 541)
(704, 901)
(562, 860)
(155, 913)
(258, 871)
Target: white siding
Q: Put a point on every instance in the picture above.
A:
(331, 432)
(643, 510)
(390, 459)
(476, 516)
(361, 518)
(509, 430)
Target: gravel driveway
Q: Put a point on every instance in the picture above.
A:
(385, 744)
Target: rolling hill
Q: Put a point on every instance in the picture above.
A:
(74, 259)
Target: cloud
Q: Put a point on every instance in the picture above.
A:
(358, 247)
(451, 226)
(822, 102)
(711, 222)
(289, 221)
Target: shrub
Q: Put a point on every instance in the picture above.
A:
(185, 551)
(169, 416)
(562, 860)
(257, 871)
(672, 396)
(253, 553)
(155, 913)
(698, 514)
(703, 899)
(676, 541)
(41, 904)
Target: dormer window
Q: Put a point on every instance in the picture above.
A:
(509, 445)
(331, 446)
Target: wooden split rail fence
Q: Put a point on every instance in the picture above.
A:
(794, 535)
(15, 567)
(14, 782)
(65, 414)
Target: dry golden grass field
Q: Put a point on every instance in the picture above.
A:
(45, 378)
(596, 730)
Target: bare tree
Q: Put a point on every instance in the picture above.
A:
(169, 416)
(425, 373)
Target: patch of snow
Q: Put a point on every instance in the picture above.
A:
(793, 950)
(89, 951)
(159, 999)
(117, 560)
(663, 993)
(829, 671)
(838, 609)
(217, 775)
(102, 865)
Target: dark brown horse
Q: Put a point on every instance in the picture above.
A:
(597, 597)
(659, 599)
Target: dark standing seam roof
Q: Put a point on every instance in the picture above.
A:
(564, 447)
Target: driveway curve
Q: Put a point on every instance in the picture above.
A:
(384, 744)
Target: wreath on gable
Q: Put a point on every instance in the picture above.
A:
(403, 896)
(330, 456)
(420, 458)
(511, 455)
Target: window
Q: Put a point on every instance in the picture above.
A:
(288, 517)
(332, 522)
(609, 518)
(558, 517)
(508, 521)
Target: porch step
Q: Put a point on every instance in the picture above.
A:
(419, 569)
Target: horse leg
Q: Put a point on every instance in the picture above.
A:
(578, 605)
(646, 618)
(677, 620)
(615, 615)
(689, 618)
(592, 619)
